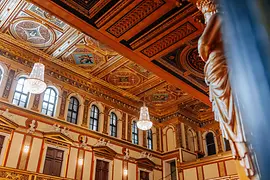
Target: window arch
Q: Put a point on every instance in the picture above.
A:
(149, 139)
(227, 144)
(210, 144)
(94, 118)
(21, 95)
(49, 101)
(113, 124)
(135, 134)
(73, 110)
(191, 140)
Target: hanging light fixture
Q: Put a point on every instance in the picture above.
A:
(144, 122)
(35, 82)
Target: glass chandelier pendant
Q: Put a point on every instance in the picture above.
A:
(35, 82)
(144, 122)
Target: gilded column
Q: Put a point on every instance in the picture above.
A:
(10, 79)
(85, 113)
(129, 128)
(161, 140)
(158, 138)
(124, 119)
(106, 119)
(63, 104)
(178, 135)
(218, 135)
(186, 136)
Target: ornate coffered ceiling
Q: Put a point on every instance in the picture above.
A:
(140, 50)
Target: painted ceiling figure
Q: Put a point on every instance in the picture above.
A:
(226, 112)
(86, 59)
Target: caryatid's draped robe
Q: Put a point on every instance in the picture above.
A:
(211, 50)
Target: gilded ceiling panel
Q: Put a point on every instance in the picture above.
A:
(109, 70)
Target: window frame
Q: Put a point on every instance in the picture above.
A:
(48, 102)
(149, 139)
(135, 133)
(21, 93)
(211, 144)
(113, 126)
(76, 111)
(227, 145)
(94, 111)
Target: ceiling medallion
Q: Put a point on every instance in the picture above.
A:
(33, 32)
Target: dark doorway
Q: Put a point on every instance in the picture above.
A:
(53, 161)
(102, 170)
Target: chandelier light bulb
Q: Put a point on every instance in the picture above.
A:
(144, 122)
(35, 82)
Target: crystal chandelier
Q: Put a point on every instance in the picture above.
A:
(35, 82)
(144, 122)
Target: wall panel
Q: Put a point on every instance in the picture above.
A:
(15, 149)
(72, 163)
(210, 171)
(132, 171)
(34, 154)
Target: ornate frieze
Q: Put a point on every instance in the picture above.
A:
(177, 17)
(178, 34)
(133, 17)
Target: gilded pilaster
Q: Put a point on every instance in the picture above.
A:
(85, 113)
(8, 85)
(36, 102)
(124, 119)
(144, 139)
(106, 119)
(178, 135)
(63, 104)
(129, 128)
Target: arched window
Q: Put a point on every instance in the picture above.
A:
(49, 101)
(191, 142)
(94, 117)
(149, 139)
(21, 95)
(210, 144)
(73, 110)
(227, 144)
(113, 124)
(135, 135)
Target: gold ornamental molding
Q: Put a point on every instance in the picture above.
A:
(47, 57)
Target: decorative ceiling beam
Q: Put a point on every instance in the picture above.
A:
(78, 23)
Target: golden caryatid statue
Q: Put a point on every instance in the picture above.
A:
(226, 112)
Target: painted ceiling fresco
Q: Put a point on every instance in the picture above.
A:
(167, 40)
